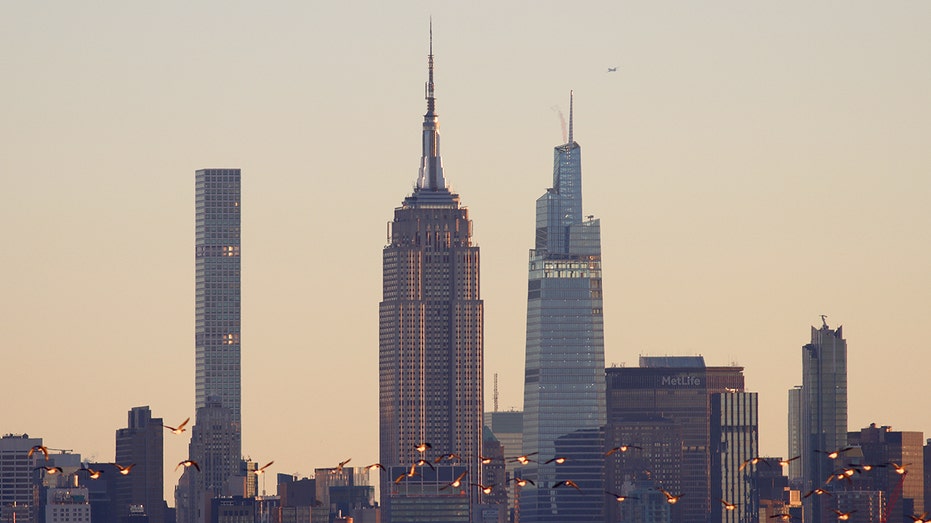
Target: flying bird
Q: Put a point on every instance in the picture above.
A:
(784, 462)
(817, 491)
(622, 448)
(409, 474)
(843, 516)
(568, 483)
(559, 460)
(423, 462)
(899, 469)
(834, 453)
(621, 498)
(91, 473)
(39, 448)
(179, 429)
(456, 482)
(340, 465)
(422, 447)
(728, 505)
(261, 470)
(485, 460)
(124, 470)
(753, 461)
(374, 466)
(188, 463)
(919, 519)
(782, 517)
(612, 69)
(486, 489)
(50, 470)
(523, 460)
(670, 498)
(451, 457)
(522, 482)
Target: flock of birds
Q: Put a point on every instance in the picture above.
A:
(126, 469)
(839, 474)
(518, 480)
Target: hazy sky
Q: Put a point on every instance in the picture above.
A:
(754, 165)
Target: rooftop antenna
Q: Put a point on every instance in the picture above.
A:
(570, 118)
(496, 392)
(431, 102)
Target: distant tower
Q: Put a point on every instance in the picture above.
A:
(142, 443)
(824, 408)
(216, 437)
(217, 261)
(430, 345)
(564, 383)
(735, 439)
(16, 478)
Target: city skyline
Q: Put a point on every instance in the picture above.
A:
(754, 167)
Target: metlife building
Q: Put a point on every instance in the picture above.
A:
(676, 390)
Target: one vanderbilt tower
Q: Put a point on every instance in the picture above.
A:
(430, 348)
(564, 372)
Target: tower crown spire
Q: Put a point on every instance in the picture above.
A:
(430, 176)
(570, 118)
(431, 99)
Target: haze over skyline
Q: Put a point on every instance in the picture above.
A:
(753, 167)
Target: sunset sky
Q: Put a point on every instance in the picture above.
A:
(754, 166)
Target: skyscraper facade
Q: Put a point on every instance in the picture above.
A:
(678, 389)
(735, 441)
(217, 292)
(216, 442)
(16, 477)
(824, 409)
(142, 443)
(564, 394)
(795, 430)
(430, 346)
(882, 445)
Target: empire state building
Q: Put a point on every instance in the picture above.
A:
(430, 348)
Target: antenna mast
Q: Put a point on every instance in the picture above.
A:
(496, 393)
(570, 118)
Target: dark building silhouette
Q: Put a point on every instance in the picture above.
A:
(507, 427)
(564, 398)
(141, 443)
(494, 472)
(772, 489)
(652, 460)
(430, 346)
(678, 389)
(880, 445)
(823, 424)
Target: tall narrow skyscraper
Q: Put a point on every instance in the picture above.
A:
(217, 291)
(430, 346)
(564, 381)
(824, 409)
(216, 442)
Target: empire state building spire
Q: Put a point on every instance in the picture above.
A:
(430, 176)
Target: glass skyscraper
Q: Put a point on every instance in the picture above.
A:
(824, 409)
(564, 383)
(430, 348)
